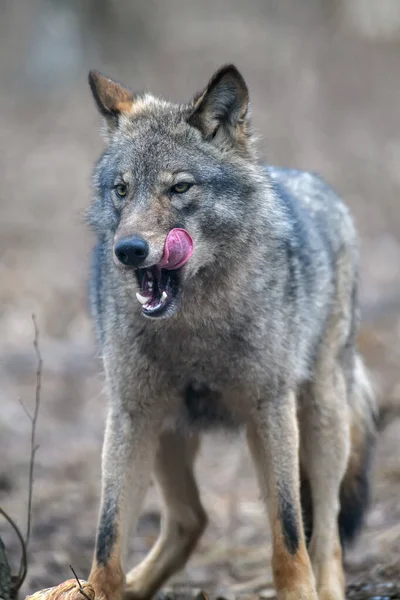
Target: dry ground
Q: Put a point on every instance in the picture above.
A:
(322, 99)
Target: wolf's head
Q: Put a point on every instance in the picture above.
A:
(174, 178)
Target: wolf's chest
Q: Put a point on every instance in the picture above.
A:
(207, 357)
(210, 386)
(207, 374)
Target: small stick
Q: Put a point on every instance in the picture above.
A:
(19, 579)
(34, 447)
(82, 591)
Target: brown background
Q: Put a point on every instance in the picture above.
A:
(324, 82)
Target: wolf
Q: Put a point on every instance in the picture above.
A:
(224, 294)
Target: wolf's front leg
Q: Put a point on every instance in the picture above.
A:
(128, 455)
(274, 444)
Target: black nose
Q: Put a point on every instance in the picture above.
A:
(131, 251)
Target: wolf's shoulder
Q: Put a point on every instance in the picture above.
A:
(308, 200)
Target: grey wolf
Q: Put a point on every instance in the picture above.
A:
(255, 330)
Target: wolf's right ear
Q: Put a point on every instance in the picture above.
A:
(220, 112)
(111, 98)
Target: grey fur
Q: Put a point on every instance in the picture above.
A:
(268, 303)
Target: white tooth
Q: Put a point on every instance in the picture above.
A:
(164, 296)
(142, 299)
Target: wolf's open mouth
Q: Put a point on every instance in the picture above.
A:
(159, 289)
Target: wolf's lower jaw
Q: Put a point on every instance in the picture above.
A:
(159, 289)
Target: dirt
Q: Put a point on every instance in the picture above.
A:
(323, 98)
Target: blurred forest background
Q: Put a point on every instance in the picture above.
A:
(325, 89)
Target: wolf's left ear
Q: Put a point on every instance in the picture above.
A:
(221, 110)
(111, 98)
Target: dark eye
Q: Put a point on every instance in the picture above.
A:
(121, 190)
(181, 188)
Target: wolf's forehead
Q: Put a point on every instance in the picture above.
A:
(157, 142)
(148, 112)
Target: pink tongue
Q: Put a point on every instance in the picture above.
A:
(177, 250)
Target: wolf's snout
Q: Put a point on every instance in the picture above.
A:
(131, 251)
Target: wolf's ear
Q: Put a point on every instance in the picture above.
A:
(221, 110)
(111, 98)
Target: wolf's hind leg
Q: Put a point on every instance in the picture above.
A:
(183, 519)
(325, 446)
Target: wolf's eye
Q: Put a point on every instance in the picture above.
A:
(121, 189)
(181, 188)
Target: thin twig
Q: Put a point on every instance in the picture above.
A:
(25, 409)
(19, 579)
(82, 591)
(23, 568)
(34, 447)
